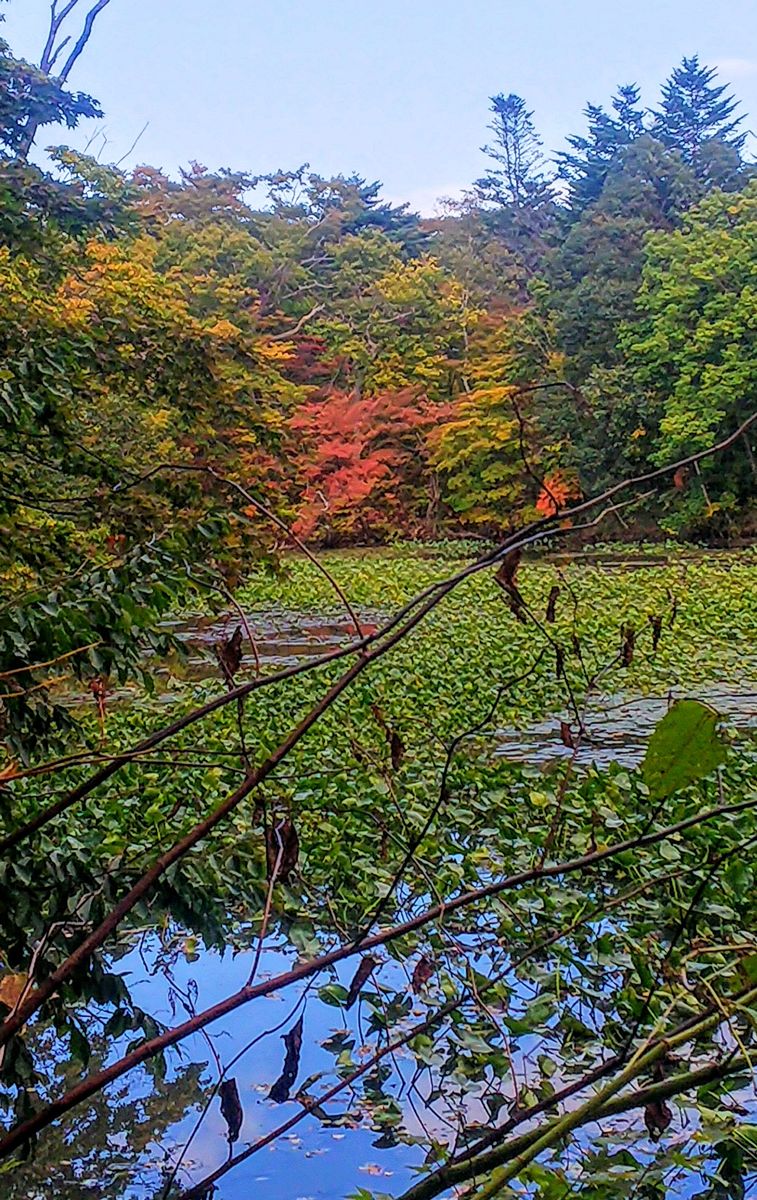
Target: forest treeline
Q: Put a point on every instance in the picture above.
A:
(362, 371)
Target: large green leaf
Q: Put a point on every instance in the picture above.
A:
(684, 747)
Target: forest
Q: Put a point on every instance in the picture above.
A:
(377, 642)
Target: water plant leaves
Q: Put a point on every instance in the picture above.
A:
(685, 746)
(231, 1108)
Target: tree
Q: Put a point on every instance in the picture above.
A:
(587, 167)
(30, 98)
(516, 194)
(518, 179)
(693, 351)
(479, 449)
(697, 119)
(595, 273)
(58, 39)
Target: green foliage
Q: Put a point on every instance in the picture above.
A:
(30, 98)
(344, 795)
(684, 747)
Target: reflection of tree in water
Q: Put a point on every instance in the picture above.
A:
(113, 1147)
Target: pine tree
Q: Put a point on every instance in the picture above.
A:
(586, 169)
(517, 196)
(519, 179)
(696, 113)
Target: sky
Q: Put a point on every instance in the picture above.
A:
(395, 90)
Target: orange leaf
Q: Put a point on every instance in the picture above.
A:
(12, 988)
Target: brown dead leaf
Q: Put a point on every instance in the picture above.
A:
(424, 969)
(282, 846)
(551, 603)
(628, 634)
(365, 969)
(508, 569)
(566, 735)
(657, 1118)
(231, 1108)
(397, 750)
(12, 988)
(229, 655)
(656, 622)
(279, 1093)
(8, 772)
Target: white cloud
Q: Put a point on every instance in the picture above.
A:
(736, 68)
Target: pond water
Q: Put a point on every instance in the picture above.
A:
(355, 1146)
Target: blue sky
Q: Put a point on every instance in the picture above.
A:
(393, 89)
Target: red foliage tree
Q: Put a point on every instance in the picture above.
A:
(364, 464)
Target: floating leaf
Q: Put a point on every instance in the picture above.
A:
(684, 747)
(333, 994)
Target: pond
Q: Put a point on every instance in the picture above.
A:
(514, 787)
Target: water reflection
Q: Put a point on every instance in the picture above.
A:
(618, 728)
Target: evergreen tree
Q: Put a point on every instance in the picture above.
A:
(696, 113)
(586, 168)
(596, 271)
(517, 196)
(519, 178)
